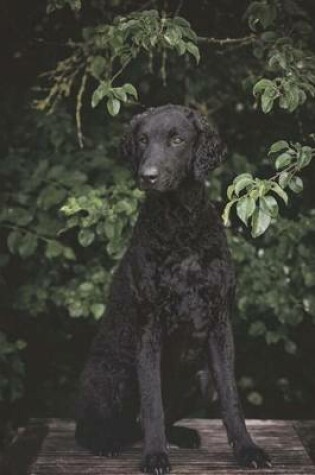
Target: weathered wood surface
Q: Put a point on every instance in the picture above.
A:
(60, 455)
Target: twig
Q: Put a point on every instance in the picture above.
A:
(123, 67)
(146, 5)
(227, 41)
(290, 169)
(179, 7)
(79, 107)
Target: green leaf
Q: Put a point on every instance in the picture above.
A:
(119, 93)
(260, 222)
(241, 177)
(291, 96)
(18, 216)
(181, 48)
(53, 249)
(98, 66)
(245, 208)
(131, 90)
(290, 347)
(28, 245)
(267, 100)
(113, 106)
(254, 193)
(262, 85)
(109, 229)
(284, 179)
(193, 50)
(255, 398)
(280, 192)
(76, 309)
(68, 253)
(86, 237)
(305, 157)
(86, 288)
(20, 344)
(283, 160)
(257, 328)
(226, 212)
(13, 241)
(269, 205)
(97, 310)
(171, 36)
(278, 146)
(242, 183)
(100, 92)
(296, 184)
(71, 207)
(51, 196)
(181, 21)
(262, 187)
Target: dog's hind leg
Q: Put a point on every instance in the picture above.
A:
(107, 408)
(108, 404)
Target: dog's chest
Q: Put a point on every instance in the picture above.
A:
(184, 294)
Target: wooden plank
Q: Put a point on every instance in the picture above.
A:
(23, 450)
(306, 432)
(60, 455)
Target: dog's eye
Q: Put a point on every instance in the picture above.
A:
(176, 140)
(143, 139)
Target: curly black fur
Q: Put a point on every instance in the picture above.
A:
(170, 300)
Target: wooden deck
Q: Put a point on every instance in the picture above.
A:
(59, 454)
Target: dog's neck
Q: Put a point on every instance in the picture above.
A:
(188, 193)
(175, 216)
(187, 200)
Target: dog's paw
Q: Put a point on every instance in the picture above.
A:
(111, 448)
(104, 447)
(156, 463)
(100, 444)
(252, 456)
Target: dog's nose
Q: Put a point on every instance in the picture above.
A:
(149, 175)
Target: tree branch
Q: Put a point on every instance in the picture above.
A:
(245, 40)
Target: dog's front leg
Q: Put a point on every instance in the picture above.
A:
(222, 359)
(152, 415)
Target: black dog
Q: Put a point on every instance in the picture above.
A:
(170, 300)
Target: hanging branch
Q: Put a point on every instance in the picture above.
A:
(179, 7)
(79, 107)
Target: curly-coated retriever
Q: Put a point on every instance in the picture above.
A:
(168, 312)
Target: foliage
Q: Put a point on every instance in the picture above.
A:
(252, 196)
(106, 51)
(12, 369)
(103, 215)
(53, 5)
(294, 68)
(280, 273)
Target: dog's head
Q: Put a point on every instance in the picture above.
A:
(168, 144)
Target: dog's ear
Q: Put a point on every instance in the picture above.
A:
(210, 151)
(128, 146)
